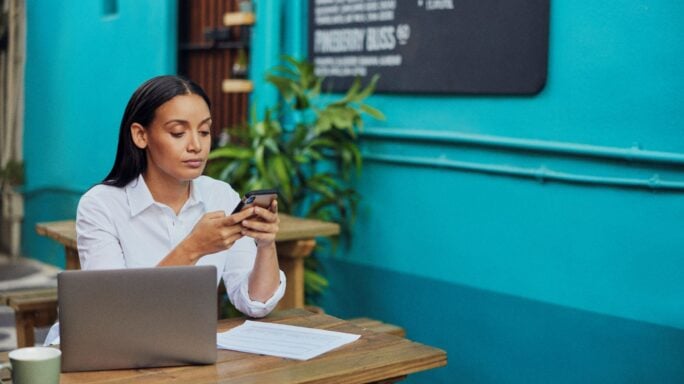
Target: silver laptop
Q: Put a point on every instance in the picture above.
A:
(135, 318)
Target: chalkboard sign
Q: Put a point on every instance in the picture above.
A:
(432, 46)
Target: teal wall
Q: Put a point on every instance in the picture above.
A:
(82, 65)
(535, 239)
(614, 80)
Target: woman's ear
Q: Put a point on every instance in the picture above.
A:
(139, 135)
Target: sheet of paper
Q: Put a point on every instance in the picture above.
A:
(281, 340)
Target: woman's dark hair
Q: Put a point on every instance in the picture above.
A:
(130, 160)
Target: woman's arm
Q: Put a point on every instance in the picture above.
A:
(96, 235)
(263, 227)
(215, 232)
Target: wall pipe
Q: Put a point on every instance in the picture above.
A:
(627, 154)
(541, 174)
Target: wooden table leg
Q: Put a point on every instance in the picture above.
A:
(291, 256)
(72, 260)
(25, 329)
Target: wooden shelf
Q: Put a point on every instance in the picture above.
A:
(238, 18)
(237, 86)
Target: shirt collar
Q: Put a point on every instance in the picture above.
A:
(195, 194)
(140, 197)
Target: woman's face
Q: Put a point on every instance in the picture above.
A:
(178, 139)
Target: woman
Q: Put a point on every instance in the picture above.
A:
(156, 209)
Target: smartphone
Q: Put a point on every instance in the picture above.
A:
(261, 197)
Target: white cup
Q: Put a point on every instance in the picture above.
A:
(34, 365)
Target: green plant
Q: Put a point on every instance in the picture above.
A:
(313, 163)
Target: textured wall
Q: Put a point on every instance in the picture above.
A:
(574, 196)
(84, 59)
(535, 234)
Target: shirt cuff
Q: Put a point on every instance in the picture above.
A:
(52, 337)
(254, 308)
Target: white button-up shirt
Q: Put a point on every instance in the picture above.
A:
(126, 228)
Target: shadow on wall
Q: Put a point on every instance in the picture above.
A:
(497, 338)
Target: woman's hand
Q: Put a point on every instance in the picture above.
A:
(214, 232)
(262, 225)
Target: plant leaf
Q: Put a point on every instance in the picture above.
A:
(368, 90)
(259, 160)
(376, 114)
(231, 152)
(281, 169)
(323, 124)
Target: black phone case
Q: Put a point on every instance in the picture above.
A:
(249, 197)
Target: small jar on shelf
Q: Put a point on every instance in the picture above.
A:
(245, 6)
(239, 70)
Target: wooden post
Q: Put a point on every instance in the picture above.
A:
(291, 256)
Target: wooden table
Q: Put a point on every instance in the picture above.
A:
(295, 241)
(375, 357)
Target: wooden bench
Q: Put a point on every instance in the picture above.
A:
(32, 308)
